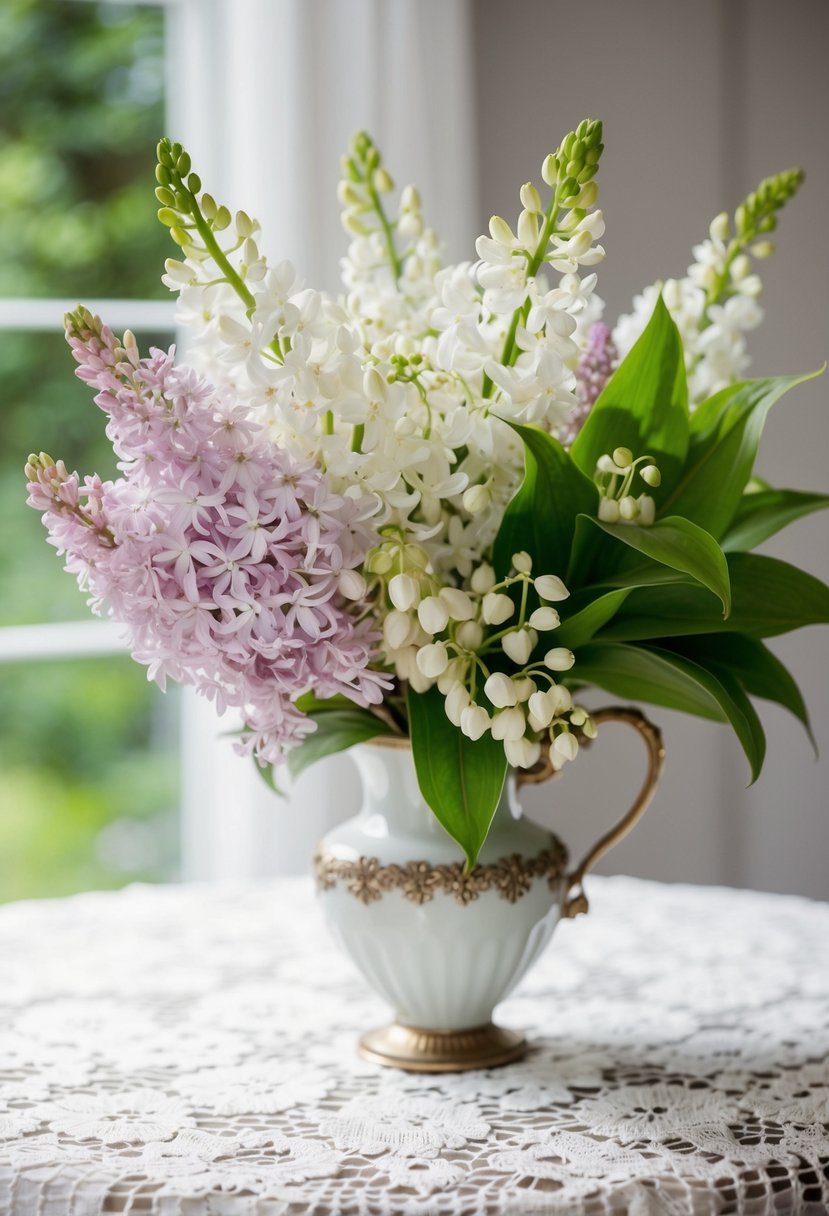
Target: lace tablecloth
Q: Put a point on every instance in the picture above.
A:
(190, 1050)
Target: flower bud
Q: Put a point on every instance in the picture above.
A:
(524, 688)
(404, 592)
(763, 249)
(527, 230)
(351, 584)
(432, 614)
(483, 579)
(379, 561)
(522, 562)
(565, 746)
(544, 618)
(397, 629)
(623, 457)
(496, 608)
(740, 267)
(458, 603)
(522, 753)
(718, 229)
(530, 198)
(650, 475)
(542, 710)
(456, 702)
(628, 508)
(518, 645)
(500, 231)
(470, 635)
(647, 509)
(549, 169)
(475, 721)
(551, 588)
(433, 659)
(476, 499)
(456, 672)
(508, 724)
(501, 690)
(561, 699)
(608, 510)
(559, 659)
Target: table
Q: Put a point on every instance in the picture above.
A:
(190, 1050)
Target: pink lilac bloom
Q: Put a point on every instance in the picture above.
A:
(221, 553)
(597, 364)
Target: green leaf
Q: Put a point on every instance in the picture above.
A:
(310, 703)
(541, 516)
(336, 730)
(762, 514)
(584, 623)
(644, 405)
(681, 545)
(724, 437)
(461, 780)
(759, 671)
(661, 677)
(768, 597)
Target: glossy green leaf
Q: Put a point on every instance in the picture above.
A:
(662, 677)
(337, 729)
(583, 624)
(724, 436)
(759, 671)
(768, 597)
(644, 405)
(461, 780)
(681, 545)
(541, 516)
(766, 512)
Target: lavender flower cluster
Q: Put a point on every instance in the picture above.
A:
(232, 564)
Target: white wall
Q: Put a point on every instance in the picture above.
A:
(700, 101)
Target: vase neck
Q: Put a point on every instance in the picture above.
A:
(391, 792)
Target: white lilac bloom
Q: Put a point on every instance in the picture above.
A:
(715, 305)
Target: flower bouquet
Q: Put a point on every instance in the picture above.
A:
(445, 502)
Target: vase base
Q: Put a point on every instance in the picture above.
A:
(417, 1050)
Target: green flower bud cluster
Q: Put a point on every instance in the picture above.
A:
(756, 215)
(361, 192)
(575, 162)
(194, 221)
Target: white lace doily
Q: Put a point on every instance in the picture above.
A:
(191, 1051)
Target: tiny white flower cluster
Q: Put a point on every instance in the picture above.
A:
(456, 639)
(713, 334)
(392, 388)
(715, 305)
(614, 476)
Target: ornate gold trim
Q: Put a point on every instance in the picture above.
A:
(418, 1050)
(511, 877)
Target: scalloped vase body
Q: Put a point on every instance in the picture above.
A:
(442, 948)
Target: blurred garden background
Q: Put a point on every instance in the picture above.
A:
(81, 108)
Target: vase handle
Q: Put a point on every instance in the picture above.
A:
(575, 900)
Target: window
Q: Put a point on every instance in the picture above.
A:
(88, 750)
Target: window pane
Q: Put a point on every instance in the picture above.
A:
(44, 407)
(88, 777)
(81, 109)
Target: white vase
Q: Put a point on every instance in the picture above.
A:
(441, 946)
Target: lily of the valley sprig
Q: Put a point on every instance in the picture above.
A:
(439, 504)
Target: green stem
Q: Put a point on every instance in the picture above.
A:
(508, 355)
(219, 256)
(388, 232)
(357, 437)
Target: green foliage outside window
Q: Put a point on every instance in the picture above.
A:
(88, 767)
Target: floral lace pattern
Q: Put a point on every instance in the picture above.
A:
(191, 1051)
